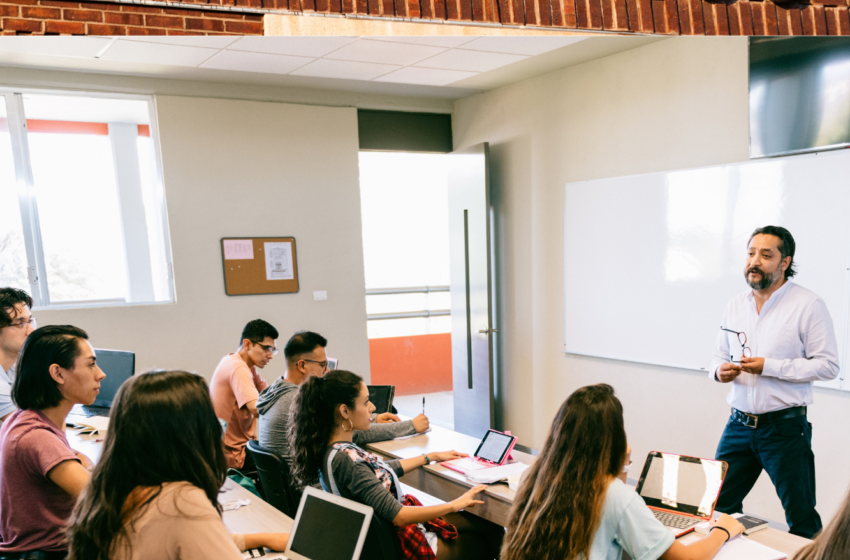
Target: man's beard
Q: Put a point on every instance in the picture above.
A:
(766, 280)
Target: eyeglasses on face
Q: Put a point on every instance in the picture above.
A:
(268, 349)
(745, 350)
(22, 324)
(323, 365)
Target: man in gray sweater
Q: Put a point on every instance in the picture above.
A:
(305, 356)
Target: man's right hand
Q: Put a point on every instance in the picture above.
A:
(421, 423)
(727, 372)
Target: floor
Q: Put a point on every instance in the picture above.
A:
(439, 407)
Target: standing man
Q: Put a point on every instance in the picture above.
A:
(776, 339)
(16, 324)
(235, 387)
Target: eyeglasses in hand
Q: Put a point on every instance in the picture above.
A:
(745, 350)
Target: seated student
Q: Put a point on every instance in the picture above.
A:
(235, 386)
(574, 502)
(326, 414)
(833, 542)
(40, 475)
(153, 494)
(306, 357)
(16, 324)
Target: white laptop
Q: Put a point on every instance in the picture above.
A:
(681, 491)
(321, 514)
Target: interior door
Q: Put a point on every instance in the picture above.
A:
(471, 290)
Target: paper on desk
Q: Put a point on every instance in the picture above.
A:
(742, 548)
(235, 504)
(94, 424)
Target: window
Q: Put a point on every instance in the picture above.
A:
(83, 172)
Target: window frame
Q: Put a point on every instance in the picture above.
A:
(28, 206)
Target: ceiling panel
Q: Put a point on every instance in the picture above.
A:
(529, 46)
(324, 68)
(56, 46)
(425, 76)
(256, 62)
(470, 61)
(447, 42)
(315, 47)
(155, 53)
(384, 53)
(218, 42)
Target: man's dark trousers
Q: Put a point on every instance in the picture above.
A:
(782, 448)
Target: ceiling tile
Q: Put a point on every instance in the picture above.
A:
(521, 45)
(447, 42)
(314, 47)
(344, 70)
(425, 76)
(256, 62)
(384, 53)
(209, 41)
(86, 47)
(470, 61)
(155, 53)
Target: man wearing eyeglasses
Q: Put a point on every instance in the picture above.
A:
(306, 356)
(235, 387)
(775, 341)
(16, 324)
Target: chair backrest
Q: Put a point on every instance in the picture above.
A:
(274, 476)
(381, 542)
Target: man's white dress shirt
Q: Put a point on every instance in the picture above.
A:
(6, 378)
(795, 336)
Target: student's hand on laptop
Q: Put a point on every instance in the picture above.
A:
(728, 372)
(421, 423)
(730, 524)
(468, 499)
(387, 418)
(446, 456)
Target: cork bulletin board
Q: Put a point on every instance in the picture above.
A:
(259, 265)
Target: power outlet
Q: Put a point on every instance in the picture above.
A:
(320, 295)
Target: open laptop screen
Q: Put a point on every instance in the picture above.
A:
(118, 367)
(680, 483)
(316, 520)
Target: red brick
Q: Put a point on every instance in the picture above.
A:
(722, 15)
(82, 15)
(796, 17)
(244, 27)
(595, 8)
(99, 6)
(697, 17)
(218, 15)
(440, 8)
(631, 9)
(253, 17)
(820, 20)
(59, 4)
(10, 24)
(178, 32)
(41, 13)
(746, 18)
(708, 18)
(807, 14)
(65, 27)
(8, 11)
(164, 21)
(26, 2)
(770, 18)
(782, 20)
(100, 29)
(844, 22)
(182, 13)
(121, 18)
(204, 24)
(734, 19)
(139, 9)
(144, 31)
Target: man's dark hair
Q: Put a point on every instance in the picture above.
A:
(303, 342)
(257, 330)
(787, 247)
(33, 388)
(9, 298)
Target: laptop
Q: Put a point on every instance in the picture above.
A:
(493, 451)
(382, 397)
(681, 491)
(118, 366)
(308, 538)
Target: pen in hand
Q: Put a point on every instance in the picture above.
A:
(423, 405)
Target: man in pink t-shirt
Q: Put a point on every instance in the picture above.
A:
(235, 387)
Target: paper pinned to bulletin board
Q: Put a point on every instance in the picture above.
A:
(259, 265)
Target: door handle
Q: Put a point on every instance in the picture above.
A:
(488, 331)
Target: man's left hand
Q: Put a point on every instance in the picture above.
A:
(387, 418)
(752, 365)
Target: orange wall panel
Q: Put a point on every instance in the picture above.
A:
(414, 364)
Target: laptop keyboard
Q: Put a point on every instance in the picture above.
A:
(676, 521)
(89, 411)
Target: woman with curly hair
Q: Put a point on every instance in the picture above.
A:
(325, 414)
(153, 494)
(573, 502)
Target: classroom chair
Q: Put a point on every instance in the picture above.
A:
(274, 476)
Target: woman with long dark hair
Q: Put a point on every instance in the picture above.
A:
(326, 412)
(833, 543)
(153, 494)
(573, 503)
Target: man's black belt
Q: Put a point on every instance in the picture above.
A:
(759, 420)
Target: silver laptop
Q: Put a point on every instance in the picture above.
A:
(681, 491)
(321, 514)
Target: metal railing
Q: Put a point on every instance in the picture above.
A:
(407, 314)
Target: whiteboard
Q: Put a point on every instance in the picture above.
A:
(650, 261)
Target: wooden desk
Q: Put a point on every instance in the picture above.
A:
(446, 484)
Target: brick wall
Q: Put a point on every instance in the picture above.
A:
(55, 17)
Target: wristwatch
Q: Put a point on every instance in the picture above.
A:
(427, 460)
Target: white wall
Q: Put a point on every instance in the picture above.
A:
(249, 169)
(674, 104)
